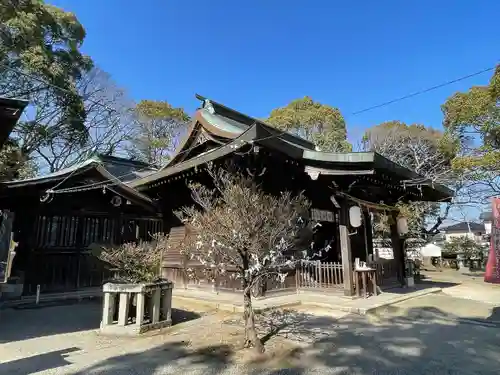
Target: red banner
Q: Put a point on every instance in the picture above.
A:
(492, 274)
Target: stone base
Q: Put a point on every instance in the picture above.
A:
(11, 290)
(152, 310)
(132, 329)
(410, 282)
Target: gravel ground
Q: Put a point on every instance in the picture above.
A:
(428, 335)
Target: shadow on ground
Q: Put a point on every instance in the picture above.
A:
(182, 316)
(171, 356)
(422, 284)
(417, 340)
(46, 320)
(420, 341)
(18, 324)
(495, 315)
(36, 363)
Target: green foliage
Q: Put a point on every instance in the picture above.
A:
(43, 41)
(160, 110)
(14, 164)
(157, 128)
(475, 116)
(465, 246)
(319, 123)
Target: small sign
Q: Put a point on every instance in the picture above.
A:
(322, 215)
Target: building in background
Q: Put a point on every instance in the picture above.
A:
(487, 219)
(475, 231)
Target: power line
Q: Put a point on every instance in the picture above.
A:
(118, 179)
(423, 91)
(280, 133)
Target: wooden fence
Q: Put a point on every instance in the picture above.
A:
(387, 272)
(319, 275)
(314, 275)
(61, 259)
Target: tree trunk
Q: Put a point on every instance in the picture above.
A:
(251, 338)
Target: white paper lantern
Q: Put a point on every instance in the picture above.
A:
(402, 225)
(355, 216)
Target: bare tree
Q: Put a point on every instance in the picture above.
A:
(429, 153)
(44, 133)
(156, 130)
(238, 226)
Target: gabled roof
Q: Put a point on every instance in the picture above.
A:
(115, 168)
(486, 216)
(217, 131)
(10, 112)
(115, 171)
(218, 125)
(225, 116)
(463, 227)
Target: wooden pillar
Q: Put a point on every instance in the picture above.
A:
(25, 233)
(345, 248)
(398, 248)
(368, 233)
(80, 242)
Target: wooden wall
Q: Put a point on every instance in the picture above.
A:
(60, 258)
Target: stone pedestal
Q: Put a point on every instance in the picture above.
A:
(461, 262)
(12, 289)
(409, 273)
(141, 307)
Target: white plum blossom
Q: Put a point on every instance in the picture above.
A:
(281, 277)
(245, 233)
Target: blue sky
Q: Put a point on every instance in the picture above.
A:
(260, 54)
(257, 55)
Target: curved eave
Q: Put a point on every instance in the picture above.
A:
(54, 177)
(10, 112)
(203, 120)
(250, 121)
(126, 191)
(110, 181)
(214, 154)
(374, 161)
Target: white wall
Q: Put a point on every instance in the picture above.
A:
(487, 227)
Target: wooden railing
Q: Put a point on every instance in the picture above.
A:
(320, 275)
(314, 275)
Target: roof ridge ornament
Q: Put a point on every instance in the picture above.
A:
(207, 104)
